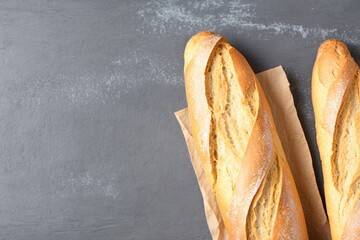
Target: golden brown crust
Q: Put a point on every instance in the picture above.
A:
(335, 94)
(199, 45)
(238, 146)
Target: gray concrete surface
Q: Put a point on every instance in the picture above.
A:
(89, 146)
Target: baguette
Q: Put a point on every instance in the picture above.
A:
(237, 143)
(336, 102)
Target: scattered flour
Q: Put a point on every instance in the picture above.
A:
(161, 17)
(91, 185)
(104, 86)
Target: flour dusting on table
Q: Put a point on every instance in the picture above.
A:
(175, 17)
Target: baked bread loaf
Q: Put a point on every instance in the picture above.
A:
(236, 140)
(336, 101)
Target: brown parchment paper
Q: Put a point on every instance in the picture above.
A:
(276, 88)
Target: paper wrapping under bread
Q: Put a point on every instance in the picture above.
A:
(276, 88)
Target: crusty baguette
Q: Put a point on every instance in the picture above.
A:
(237, 143)
(336, 101)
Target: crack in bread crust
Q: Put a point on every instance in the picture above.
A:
(230, 122)
(345, 160)
(263, 210)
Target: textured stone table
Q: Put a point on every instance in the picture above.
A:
(89, 145)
